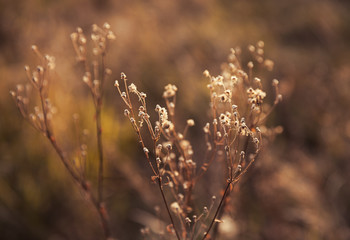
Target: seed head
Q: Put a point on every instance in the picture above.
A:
(250, 65)
(106, 25)
(132, 88)
(108, 71)
(86, 79)
(251, 48)
(260, 51)
(74, 36)
(205, 210)
(126, 112)
(170, 91)
(234, 80)
(206, 128)
(269, 64)
(279, 97)
(260, 44)
(190, 122)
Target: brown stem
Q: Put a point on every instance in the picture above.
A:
(100, 151)
(167, 207)
(99, 135)
(218, 209)
(53, 140)
(187, 202)
(80, 181)
(101, 212)
(100, 208)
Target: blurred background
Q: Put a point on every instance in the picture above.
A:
(298, 189)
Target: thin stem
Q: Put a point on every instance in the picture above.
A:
(102, 212)
(53, 141)
(218, 209)
(81, 182)
(99, 136)
(167, 207)
(100, 151)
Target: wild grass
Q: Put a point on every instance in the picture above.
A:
(234, 136)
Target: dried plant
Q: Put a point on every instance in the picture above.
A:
(233, 136)
(41, 119)
(238, 114)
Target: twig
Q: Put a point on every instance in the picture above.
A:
(167, 207)
(99, 138)
(218, 209)
(80, 181)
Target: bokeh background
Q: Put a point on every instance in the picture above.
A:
(299, 188)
